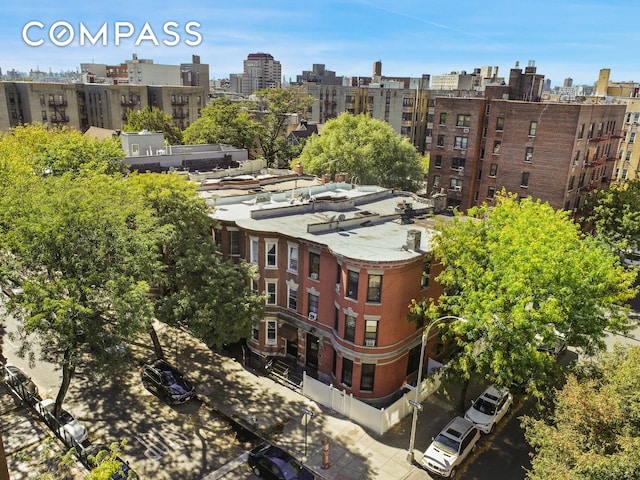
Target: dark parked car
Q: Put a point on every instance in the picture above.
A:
(21, 383)
(166, 381)
(272, 462)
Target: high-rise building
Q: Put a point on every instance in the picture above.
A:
(261, 71)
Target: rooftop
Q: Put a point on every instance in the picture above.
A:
(363, 223)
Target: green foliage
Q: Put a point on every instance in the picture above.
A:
(154, 120)
(199, 290)
(223, 121)
(107, 463)
(593, 431)
(35, 148)
(615, 215)
(367, 149)
(275, 106)
(519, 272)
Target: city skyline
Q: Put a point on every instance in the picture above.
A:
(410, 38)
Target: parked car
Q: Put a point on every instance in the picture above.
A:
(269, 461)
(166, 381)
(553, 347)
(452, 445)
(489, 408)
(21, 384)
(69, 427)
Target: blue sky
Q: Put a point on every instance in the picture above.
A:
(565, 38)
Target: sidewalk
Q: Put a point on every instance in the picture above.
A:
(274, 412)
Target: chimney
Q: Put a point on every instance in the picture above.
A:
(298, 169)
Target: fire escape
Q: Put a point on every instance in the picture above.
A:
(58, 108)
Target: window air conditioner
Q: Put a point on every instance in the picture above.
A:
(314, 276)
(457, 188)
(465, 130)
(313, 316)
(370, 342)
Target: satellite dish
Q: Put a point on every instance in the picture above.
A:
(341, 217)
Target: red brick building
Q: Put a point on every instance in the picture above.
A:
(340, 266)
(556, 152)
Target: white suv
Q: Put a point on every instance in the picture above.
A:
(452, 445)
(489, 408)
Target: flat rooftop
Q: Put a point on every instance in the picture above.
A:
(363, 223)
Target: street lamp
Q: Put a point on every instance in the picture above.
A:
(416, 402)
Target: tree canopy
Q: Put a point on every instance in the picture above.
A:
(592, 432)
(275, 106)
(154, 120)
(521, 273)
(223, 121)
(367, 149)
(615, 215)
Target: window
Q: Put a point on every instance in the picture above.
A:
(500, 124)
(44, 115)
(443, 118)
(367, 376)
(581, 131)
(42, 100)
(438, 161)
(272, 298)
(528, 154)
(352, 284)
(426, 272)
(292, 303)
(496, 147)
(627, 157)
(371, 333)
(349, 328)
(533, 126)
(491, 192)
(347, 372)
(217, 234)
(524, 181)
(436, 181)
(336, 319)
(457, 163)
(571, 182)
(413, 360)
(440, 142)
(314, 265)
(272, 254)
(272, 330)
(455, 184)
(632, 137)
(461, 143)
(493, 170)
(255, 332)
(254, 285)
(293, 258)
(254, 251)
(234, 242)
(463, 120)
(374, 288)
(313, 303)
(581, 180)
(576, 159)
(590, 134)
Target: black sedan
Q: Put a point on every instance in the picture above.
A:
(167, 382)
(272, 462)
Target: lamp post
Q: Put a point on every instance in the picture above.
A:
(425, 336)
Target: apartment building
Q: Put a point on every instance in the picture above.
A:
(261, 71)
(108, 105)
(556, 152)
(182, 103)
(628, 165)
(56, 104)
(339, 265)
(404, 109)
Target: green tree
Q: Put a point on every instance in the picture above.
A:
(521, 272)
(367, 149)
(199, 291)
(275, 106)
(87, 246)
(226, 122)
(107, 463)
(615, 216)
(154, 120)
(592, 432)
